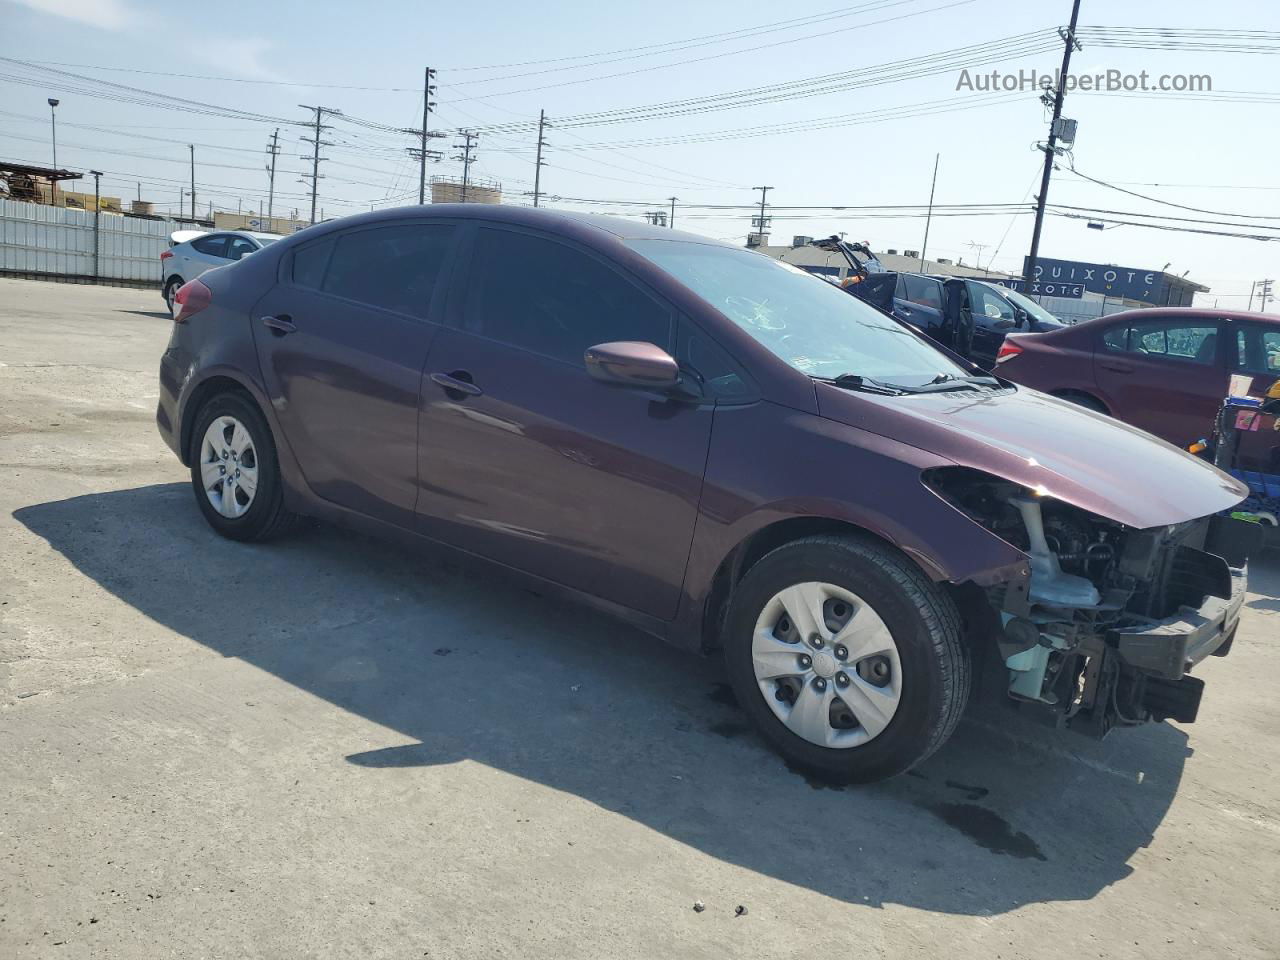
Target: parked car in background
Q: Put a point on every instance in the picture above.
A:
(710, 444)
(967, 316)
(192, 252)
(1164, 370)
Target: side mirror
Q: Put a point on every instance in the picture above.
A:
(631, 363)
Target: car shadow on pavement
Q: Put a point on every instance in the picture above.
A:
(472, 667)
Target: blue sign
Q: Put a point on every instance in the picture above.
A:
(1049, 288)
(1107, 279)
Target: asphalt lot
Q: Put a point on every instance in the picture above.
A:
(332, 747)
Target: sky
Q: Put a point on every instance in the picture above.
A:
(864, 138)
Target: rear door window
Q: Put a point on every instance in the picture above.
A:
(212, 246)
(924, 291)
(393, 267)
(549, 298)
(1193, 341)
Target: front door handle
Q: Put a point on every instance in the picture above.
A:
(457, 384)
(279, 325)
(1115, 367)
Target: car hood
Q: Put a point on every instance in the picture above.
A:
(1076, 455)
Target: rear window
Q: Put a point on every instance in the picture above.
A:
(215, 246)
(922, 290)
(393, 267)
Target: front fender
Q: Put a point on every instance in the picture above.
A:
(829, 471)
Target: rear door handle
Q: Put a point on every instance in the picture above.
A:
(455, 386)
(279, 325)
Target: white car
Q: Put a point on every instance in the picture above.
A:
(192, 252)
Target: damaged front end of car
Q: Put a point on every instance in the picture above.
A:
(1107, 621)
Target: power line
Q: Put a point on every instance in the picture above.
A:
(889, 72)
(861, 25)
(1170, 203)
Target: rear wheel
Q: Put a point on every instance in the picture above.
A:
(171, 291)
(234, 470)
(847, 658)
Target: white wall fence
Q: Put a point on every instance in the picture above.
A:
(56, 241)
(1073, 311)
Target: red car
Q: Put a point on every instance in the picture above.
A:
(1164, 370)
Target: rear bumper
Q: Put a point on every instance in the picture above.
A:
(168, 411)
(1169, 648)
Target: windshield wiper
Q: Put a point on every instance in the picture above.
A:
(945, 382)
(851, 381)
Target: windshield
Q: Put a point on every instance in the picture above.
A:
(1034, 310)
(815, 327)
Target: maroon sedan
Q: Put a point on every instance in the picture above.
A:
(719, 448)
(1164, 370)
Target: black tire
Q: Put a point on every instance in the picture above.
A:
(1086, 401)
(170, 288)
(925, 627)
(266, 517)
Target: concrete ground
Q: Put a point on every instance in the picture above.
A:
(331, 747)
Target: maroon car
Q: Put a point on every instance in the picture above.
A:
(725, 451)
(1164, 370)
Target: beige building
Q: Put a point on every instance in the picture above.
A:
(834, 265)
(254, 223)
(449, 190)
(79, 200)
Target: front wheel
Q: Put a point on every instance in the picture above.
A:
(235, 472)
(847, 658)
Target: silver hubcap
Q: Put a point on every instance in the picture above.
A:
(229, 467)
(826, 665)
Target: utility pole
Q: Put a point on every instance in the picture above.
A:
(316, 143)
(1050, 146)
(421, 153)
(192, 148)
(53, 130)
(427, 89)
(1253, 288)
(467, 147)
(928, 217)
(1264, 294)
(537, 164)
(274, 149)
(761, 220)
(97, 213)
(671, 222)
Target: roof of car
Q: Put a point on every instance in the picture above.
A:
(553, 220)
(1188, 313)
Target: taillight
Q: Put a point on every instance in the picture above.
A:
(166, 254)
(1008, 350)
(192, 297)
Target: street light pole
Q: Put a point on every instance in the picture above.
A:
(97, 214)
(53, 129)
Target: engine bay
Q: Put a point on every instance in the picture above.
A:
(1106, 627)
